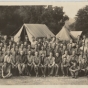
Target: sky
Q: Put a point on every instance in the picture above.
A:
(71, 9)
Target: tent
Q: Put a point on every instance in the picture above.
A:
(34, 30)
(64, 34)
(76, 33)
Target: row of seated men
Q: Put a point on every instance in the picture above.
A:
(22, 64)
(50, 58)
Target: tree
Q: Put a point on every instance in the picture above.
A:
(81, 23)
(13, 17)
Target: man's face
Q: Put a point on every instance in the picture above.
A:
(43, 54)
(10, 42)
(21, 52)
(73, 53)
(36, 46)
(53, 38)
(29, 46)
(74, 64)
(78, 37)
(25, 43)
(22, 45)
(0, 52)
(5, 37)
(76, 46)
(84, 36)
(12, 39)
(19, 39)
(71, 41)
(26, 37)
(1, 44)
(8, 52)
(66, 52)
(5, 46)
(13, 45)
(57, 47)
(64, 47)
(36, 53)
(42, 48)
(51, 54)
(57, 54)
(29, 52)
(39, 40)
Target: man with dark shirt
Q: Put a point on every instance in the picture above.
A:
(36, 63)
(22, 61)
(57, 63)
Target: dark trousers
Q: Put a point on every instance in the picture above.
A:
(65, 70)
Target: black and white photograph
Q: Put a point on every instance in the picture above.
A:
(44, 44)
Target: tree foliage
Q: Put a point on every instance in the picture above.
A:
(81, 23)
(13, 17)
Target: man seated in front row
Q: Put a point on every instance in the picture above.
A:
(74, 70)
(36, 63)
(21, 63)
(29, 63)
(6, 67)
(51, 64)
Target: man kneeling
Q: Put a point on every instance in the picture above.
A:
(74, 70)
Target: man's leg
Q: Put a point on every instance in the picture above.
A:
(76, 74)
(56, 69)
(45, 67)
(36, 70)
(19, 69)
(67, 70)
(72, 74)
(62, 69)
(52, 69)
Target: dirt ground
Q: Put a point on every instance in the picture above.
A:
(25, 80)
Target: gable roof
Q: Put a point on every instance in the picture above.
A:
(34, 30)
(76, 33)
(64, 34)
(38, 30)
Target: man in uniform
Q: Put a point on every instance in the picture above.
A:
(73, 58)
(51, 64)
(22, 62)
(57, 63)
(6, 67)
(36, 63)
(65, 64)
(5, 40)
(29, 63)
(74, 70)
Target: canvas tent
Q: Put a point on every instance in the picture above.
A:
(34, 30)
(64, 34)
(76, 33)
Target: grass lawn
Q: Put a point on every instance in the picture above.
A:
(25, 80)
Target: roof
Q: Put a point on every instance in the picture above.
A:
(76, 33)
(64, 34)
(38, 30)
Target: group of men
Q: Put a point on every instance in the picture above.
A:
(44, 57)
